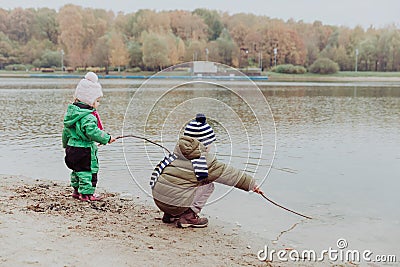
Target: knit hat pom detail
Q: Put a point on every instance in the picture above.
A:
(91, 76)
(88, 89)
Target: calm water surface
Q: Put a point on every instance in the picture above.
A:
(337, 156)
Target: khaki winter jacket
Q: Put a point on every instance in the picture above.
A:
(174, 191)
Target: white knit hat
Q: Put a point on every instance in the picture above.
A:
(88, 89)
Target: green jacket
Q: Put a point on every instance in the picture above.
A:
(80, 128)
(174, 190)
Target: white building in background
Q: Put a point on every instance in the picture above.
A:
(204, 67)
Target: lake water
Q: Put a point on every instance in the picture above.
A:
(337, 156)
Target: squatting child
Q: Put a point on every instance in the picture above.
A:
(184, 180)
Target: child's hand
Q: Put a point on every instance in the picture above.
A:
(112, 139)
(257, 190)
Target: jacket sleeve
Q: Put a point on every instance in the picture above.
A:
(93, 132)
(228, 175)
(65, 138)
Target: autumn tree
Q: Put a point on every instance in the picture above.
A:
(195, 50)
(150, 21)
(253, 43)
(3, 20)
(135, 54)
(123, 23)
(187, 25)
(119, 55)
(368, 55)
(393, 49)
(45, 25)
(19, 25)
(175, 48)
(37, 35)
(6, 50)
(101, 53)
(6, 45)
(241, 25)
(70, 19)
(213, 21)
(33, 51)
(296, 52)
(222, 49)
(315, 37)
(79, 29)
(388, 49)
(289, 45)
(155, 51)
(48, 59)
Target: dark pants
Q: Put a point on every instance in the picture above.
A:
(84, 175)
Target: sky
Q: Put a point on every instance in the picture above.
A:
(350, 13)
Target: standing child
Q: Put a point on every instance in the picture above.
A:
(82, 129)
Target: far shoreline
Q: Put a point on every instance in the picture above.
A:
(345, 76)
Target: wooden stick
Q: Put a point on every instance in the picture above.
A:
(282, 207)
(143, 138)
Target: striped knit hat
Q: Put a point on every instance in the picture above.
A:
(200, 129)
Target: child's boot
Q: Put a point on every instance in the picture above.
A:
(91, 197)
(190, 219)
(75, 194)
(168, 218)
(83, 197)
(95, 197)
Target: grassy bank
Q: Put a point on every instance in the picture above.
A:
(340, 76)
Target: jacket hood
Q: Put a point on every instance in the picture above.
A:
(74, 114)
(189, 147)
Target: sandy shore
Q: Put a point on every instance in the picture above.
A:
(41, 225)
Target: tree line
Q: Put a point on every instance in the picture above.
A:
(150, 40)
